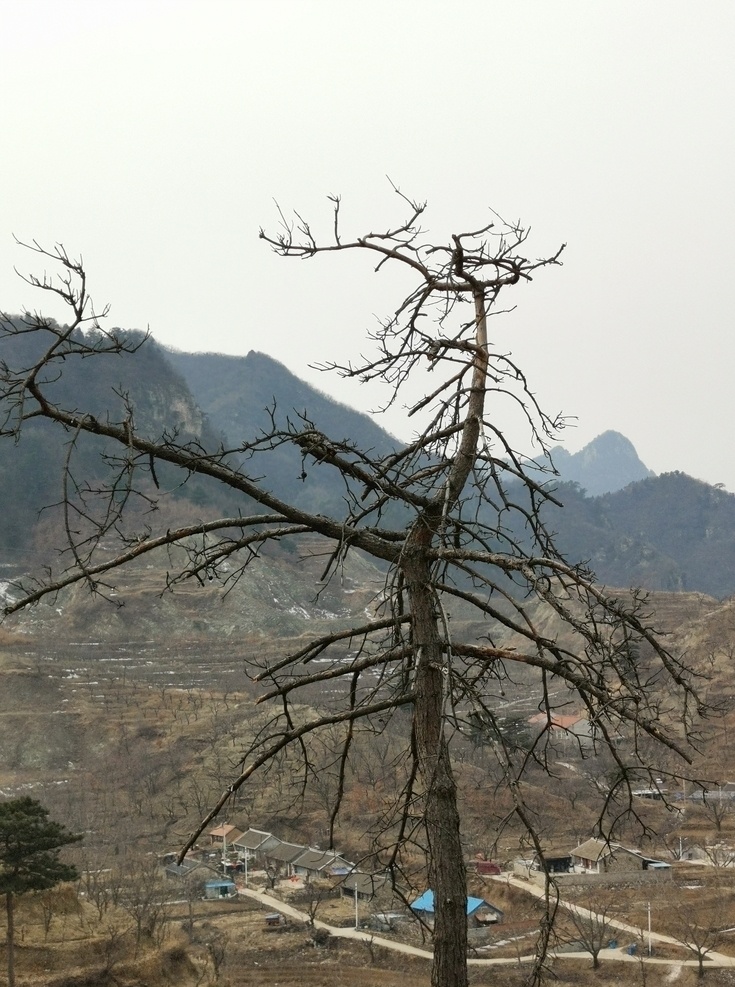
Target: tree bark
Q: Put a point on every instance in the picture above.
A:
(447, 876)
(446, 862)
(10, 906)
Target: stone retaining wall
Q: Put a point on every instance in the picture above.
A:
(522, 870)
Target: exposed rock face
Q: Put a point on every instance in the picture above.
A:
(606, 464)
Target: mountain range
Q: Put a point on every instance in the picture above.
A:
(668, 532)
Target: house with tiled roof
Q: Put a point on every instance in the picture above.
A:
(557, 860)
(562, 724)
(364, 886)
(600, 857)
(186, 868)
(224, 834)
(313, 863)
(251, 842)
(279, 856)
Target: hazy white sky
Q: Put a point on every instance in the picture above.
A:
(152, 137)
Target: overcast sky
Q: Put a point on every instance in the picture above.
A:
(152, 138)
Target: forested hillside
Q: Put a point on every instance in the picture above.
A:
(668, 532)
(244, 396)
(141, 383)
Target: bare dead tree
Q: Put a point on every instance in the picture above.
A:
(145, 898)
(590, 926)
(717, 806)
(701, 937)
(217, 952)
(455, 518)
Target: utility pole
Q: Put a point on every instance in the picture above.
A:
(649, 929)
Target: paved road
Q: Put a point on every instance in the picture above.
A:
(713, 958)
(274, 904)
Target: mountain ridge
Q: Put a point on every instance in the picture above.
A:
(667, 532)
(607, 463)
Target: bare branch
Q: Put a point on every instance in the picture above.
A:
(476, 599)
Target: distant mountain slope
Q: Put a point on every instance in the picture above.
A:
(240, 394)
(237, 391)
(31, 469)
(668, 532)
(607, 463)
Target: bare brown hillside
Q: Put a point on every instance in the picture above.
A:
(129, 721)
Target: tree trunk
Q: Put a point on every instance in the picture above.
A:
(9, 906)
(447, 877)
(446, 863)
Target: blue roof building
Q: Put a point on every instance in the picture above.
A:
(220, 889)
(479, 911)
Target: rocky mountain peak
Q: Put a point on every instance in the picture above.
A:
(607, 463)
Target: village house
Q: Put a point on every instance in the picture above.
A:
(224, 835)
(183, 870)
(557, 861)
(480, 913)
(594, 860)
(251, 843)
(222, 888)
(568, 729)
(365, 886)
(278, 856)
(315, 863)
(598, 857)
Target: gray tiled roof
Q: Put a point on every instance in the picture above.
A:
(322, 860)
(253, 839)
(285, 852)
(365, 884)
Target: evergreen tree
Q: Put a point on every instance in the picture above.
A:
(29, 857)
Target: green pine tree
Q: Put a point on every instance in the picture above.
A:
(29, 857)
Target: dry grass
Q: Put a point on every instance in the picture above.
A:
(131, 730)
(77, 954)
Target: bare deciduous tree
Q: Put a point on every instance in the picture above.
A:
(591, 927)
(717, 806)
(718, 854)
(455, 518)
(145, 898)
(217, 952)
(702, 937)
